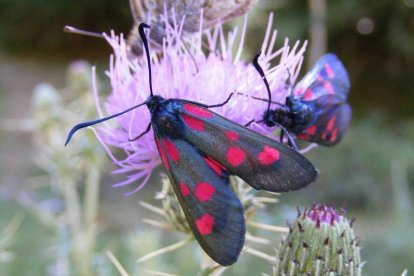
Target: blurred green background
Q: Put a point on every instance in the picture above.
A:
(370, 173)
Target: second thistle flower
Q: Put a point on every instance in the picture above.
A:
(321, 242)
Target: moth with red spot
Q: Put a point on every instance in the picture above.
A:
(316, 110)
(199, 150)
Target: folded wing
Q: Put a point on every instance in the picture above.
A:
(201, 184)
(327, 77)
(332, 118)
(260, 161)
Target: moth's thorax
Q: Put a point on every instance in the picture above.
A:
(302, 113)
(165, 116)
(295, 115)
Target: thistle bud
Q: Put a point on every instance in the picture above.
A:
(321, 242)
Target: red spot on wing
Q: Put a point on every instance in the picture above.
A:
(232, 135)
(198, 111)
(311, 130)
(329, 70)
(331, 124)
(328, 87)
(171, 150)
(214, 165)
(235, 156)
(334, 135)
(308, 94)
(268, 156)
(204, 191)
(184, 189)
(193, 122)
(205, 224)
(162, 154)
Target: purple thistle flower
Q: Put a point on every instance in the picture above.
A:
(322, 214)
(187, 71)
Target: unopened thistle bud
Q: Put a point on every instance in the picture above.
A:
(321, 242)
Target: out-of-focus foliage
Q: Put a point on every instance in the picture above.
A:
(37, 26)
(8, 235)
(366, 174)
(74, 175)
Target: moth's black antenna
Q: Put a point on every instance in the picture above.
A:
(262, 74)
(94, 122)
(145, 42)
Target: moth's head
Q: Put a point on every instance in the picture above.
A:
(280, 116)
(268, 118)
(153, 102)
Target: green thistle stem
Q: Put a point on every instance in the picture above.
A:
(73, 211)
(91, 201)
(72, 204)
(82, 221)
(91, 206)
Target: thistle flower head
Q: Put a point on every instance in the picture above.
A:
(186, 70)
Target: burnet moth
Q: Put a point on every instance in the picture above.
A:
(199, 150)
(316, 109)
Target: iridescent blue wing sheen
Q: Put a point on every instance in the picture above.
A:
(260, 161)
(214, 213)
(331, 119)
(327, 77)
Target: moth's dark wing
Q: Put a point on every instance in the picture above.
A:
(260, 161)
(332, 118)
(327, 77)
(213, 212)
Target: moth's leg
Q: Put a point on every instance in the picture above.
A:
(291, 141)
(214, 105)
(142, 134)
